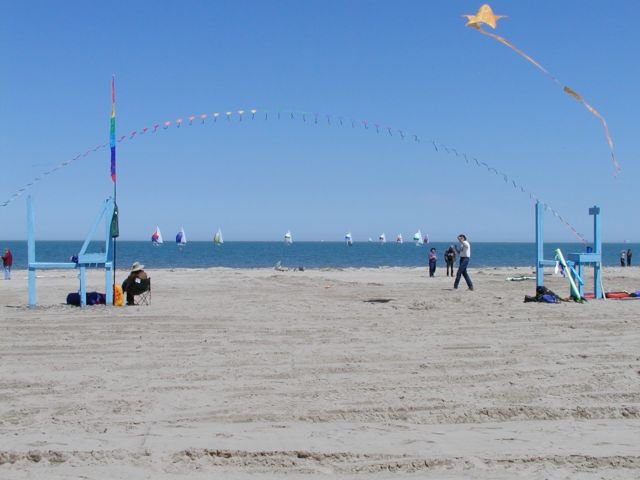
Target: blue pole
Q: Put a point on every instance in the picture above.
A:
(31, 253)
(597, 246)
(83, 285)
(539, 247)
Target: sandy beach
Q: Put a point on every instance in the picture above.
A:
(355, 373)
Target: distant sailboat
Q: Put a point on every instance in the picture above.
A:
(156, 238)
(287, 238)
(217, 238)
(425, 239)
(417, 237)
(370, 239)
(348, 239)
(181, 238)
(399, 238)
(382, 238)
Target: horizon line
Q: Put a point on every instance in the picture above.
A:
(393, 242)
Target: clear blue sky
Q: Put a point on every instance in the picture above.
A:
(409, 64)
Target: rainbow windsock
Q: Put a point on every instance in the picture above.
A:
(112, 132)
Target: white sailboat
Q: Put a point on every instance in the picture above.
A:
(348, 239)
(287, 238)
(181, 238)
(417, 237)
(217, 238)
(156, 237)
(399, 238)
(382, 238)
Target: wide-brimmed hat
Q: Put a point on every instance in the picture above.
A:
(136, 266)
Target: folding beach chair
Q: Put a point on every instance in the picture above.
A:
(142, 292)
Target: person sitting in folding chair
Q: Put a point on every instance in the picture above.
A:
(136, 283)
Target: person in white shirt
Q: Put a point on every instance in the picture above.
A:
(465, 254)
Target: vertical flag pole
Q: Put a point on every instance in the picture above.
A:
(112, 144)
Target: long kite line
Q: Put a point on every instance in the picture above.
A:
(316, 118)
(485, 15)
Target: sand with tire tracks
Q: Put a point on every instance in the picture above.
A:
(355, 373)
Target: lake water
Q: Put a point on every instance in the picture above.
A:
(305, 254)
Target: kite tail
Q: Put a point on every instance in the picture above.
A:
(565, 88)
(578, 97)
(519, 52)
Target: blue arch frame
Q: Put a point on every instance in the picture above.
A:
(85, 259)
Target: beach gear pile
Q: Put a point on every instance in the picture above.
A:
(544, 295)
(93, 298)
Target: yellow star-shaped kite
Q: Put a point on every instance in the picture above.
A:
(484, 15)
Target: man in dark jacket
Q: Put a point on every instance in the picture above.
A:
(450, 258)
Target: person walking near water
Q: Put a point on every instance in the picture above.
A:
(629, 254)
(622, 258)
(433, 257)
(7, 262)
(450, 258)
(465, 254)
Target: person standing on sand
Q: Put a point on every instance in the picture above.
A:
(450, 258)
(629, 254)
(433, 258)
(622, 255)
(465, 254)
(7, 262)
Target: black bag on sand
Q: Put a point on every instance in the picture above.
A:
(93, 298)
(543, 294)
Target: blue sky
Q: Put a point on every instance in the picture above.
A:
(411, 65)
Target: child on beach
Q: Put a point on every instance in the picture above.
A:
(432, 262)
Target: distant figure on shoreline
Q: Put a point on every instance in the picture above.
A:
(450, 258)
(622, 258)
(7, 262)
(465, 254)
(433, 258)
(629, 255)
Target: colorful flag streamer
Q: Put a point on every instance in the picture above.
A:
(112, 129)
(486, 16)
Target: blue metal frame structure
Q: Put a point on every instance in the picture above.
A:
(576, 261)
(101, 259)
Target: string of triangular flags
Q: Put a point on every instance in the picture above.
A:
(312, 117)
